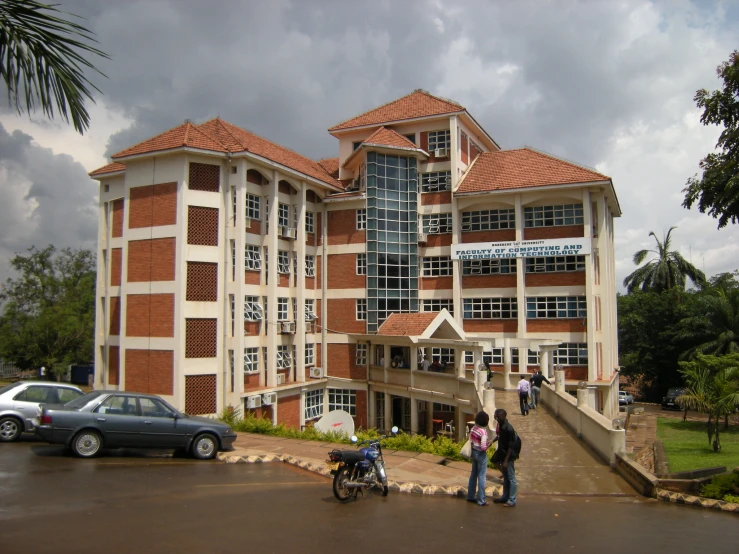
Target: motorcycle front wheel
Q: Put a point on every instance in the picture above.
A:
(341, 491)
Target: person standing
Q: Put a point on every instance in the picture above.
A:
(505, 457)
(536, 382)
(425, 364)
(523, 394)
(480, 444)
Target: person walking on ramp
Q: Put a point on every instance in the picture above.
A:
(523, 395)
(536, 382)
(480, 444)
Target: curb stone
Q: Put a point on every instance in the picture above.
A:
(396, 486)
(691, 500)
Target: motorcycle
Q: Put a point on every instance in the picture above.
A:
(363, 469)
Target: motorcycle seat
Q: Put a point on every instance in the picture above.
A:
(352, 456)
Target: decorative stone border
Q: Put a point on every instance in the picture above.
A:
(396, 486)
(691, 500)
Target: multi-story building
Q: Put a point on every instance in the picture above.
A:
(235, 272)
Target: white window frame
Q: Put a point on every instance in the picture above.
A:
(496, 308)
(284, 358)
(252, 206)
(361, 219)
(282, 308)
(361, 309)
(361, 264)
(310, 222)
(283, 262)
(437, 304)
(435, 181)
(361, 355)
(437, 224)
(440, 140)
(252, 258)
(556, 307)
(489, 220)
(310, 309)
(505, 266)
(251, 359)
(437, 266)
(571, 354)
(555, 264)
(283, 214)
(557, 215)
(444, 355)
(310, 354)
(342, 399)
(310, 266)
(253, 310)
(313, 404)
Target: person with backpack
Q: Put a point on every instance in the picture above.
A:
(480, 444)
(508, 451)
(536, 382)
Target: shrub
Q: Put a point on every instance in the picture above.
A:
(720, 486)
(732, 498)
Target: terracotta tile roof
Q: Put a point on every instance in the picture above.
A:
(331, 165)
(220, 136)
(410, 325)
(525, 167)
(110, 168)
(419, 103)
(387, 137)
(186, 134)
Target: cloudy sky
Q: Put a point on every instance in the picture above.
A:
(606, 83)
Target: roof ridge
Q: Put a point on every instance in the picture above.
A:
(469, 169)
(222, 123)
(561, 159)
(442, 98)
(373, 109)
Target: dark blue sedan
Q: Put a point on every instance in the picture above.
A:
(113, 419)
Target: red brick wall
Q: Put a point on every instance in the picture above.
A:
(501, 235)
(564, 231)
(554, 279)
(577, 373)
(255, 227)
(436, 198)
(490, 325)
(201, 338)
(251, 380)
(150, 315)
(283, 279)
(436, 283)
(554, 325)
(149, 371)
(341, 358)
(253, 176)
(115, 316)
(342, 272)
(506, 280)
(342, 228)
(465, 154)
(342, 314)
(318, 354)
(151, 260)
(251, 327)
(319, 229)
(285, 188)
(360, 420)
(288, 411)
(117, 230)
(202, 282)
(153, 206)
(114, 364)
(439, 240)
(115, 267)
(309, 283)
(252, 277)
(205, 177)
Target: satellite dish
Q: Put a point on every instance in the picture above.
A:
(336, 421)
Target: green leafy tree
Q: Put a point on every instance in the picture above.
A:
(711, 387)
(665, 271)
(715, 324)
(49, 309)
(717, 190)
(42, 60)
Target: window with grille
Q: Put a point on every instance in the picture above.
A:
(283, 356)
(310, 313)
(380, 410)
(200, 338)
(310, 353)
(434, 305)
(571, 353)
(439, 139)
(252, 308)
(361, 264)
(435, 181)
(204, 177)
(202, 226)
(202, 282)
(361, 308)
(252, 258)
(310, 266)
(361, 355)
(310, 226)
(251, 360)
(558, 264)
(361, 219)
(313, 404)
(556, 307)
(553, 216)
(490, 308)
(283, 262)
(342, 399)
(252, 206)
(493, 357)
(488, 267)
(282, 304)
(437, 266)
(266, 210)
(436, 224)
(489, 220)
(444, 355)
(283, 215)
(233, 205)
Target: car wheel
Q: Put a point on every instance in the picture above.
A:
(87, 444)
(10, 429)
(205, 447)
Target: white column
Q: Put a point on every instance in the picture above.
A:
(459, 363)
(488, 402)
(414, 415)
(520, 275)
(372, 408)
(589, 292)
(506, 364)
(456, 224)
(300, 287)
(272, 280)
(559, 380)
(239, 290)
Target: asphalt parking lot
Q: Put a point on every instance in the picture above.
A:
(127, 501)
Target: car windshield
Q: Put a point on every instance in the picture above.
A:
(83, 400)
(6, 388)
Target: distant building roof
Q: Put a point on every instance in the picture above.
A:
(410, 325)
(110, 168)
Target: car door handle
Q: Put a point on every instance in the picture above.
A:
(101, 419)
(147, 422)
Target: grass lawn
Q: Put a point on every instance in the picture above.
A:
(687, 448)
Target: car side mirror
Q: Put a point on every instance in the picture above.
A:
(175, 415)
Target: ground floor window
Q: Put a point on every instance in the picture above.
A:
(313, 404)
(342, 399)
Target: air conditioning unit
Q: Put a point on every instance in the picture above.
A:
(253, 402)
(269, 398)
(316, 373)
(288, 232)
(280, 378)
(421, 237)
(287, 327)
(441, 153)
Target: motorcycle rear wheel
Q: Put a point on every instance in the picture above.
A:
(341, 492)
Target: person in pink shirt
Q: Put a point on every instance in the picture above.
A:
(480, 443)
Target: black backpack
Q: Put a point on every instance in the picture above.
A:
(517, 446)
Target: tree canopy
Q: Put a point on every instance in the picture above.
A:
(716, 192)
(49, 309)
(42, 60)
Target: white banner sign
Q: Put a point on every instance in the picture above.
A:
(521, 249)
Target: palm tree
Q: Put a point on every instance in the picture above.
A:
(717, 324)
(42, 63)
(669, 269)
